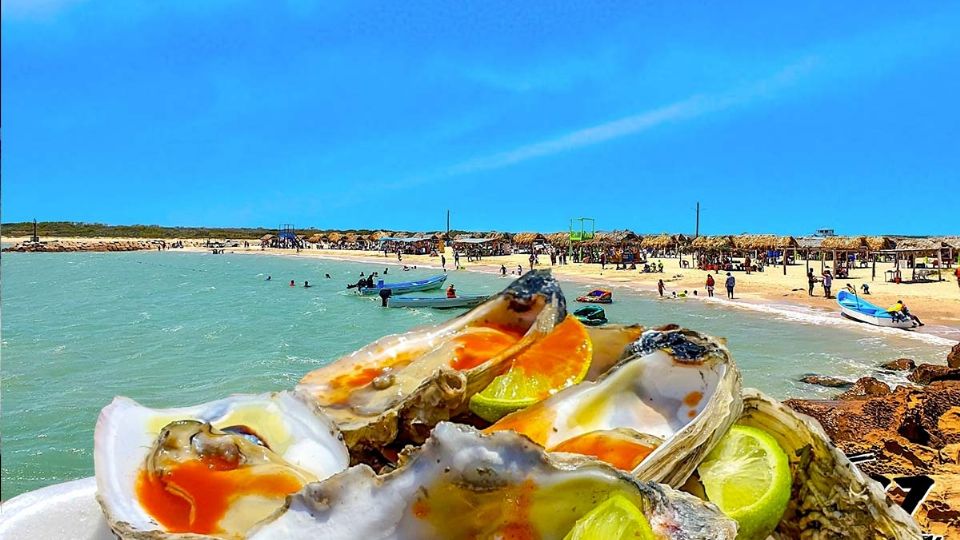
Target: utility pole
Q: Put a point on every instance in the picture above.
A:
(696, 232)
(448, 223)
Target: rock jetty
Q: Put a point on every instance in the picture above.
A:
(64, 246)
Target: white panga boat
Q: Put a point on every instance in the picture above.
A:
(437, 302)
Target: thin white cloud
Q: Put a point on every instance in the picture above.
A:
(691, 107)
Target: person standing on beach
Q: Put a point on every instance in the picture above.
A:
(827, 283)
(957, 272)
(660, 287)
(710, 285)
(443, 262)
(731, 283)
(519, 270)
(456, 260)
(811, 281)
(532, 259)
(603, 260)
(746, 264)
(503, 270)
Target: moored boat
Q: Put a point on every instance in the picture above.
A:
(854, 307)
(597, 296)
(436, 302)
(591, 315)
(428, 284)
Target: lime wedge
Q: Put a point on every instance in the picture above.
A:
(747, 475)
(560, 359)
(616, 519)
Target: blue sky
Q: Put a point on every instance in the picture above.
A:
(514, 115)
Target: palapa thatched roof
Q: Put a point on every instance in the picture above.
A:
(876, 243)
(951, 241)
(350, 238)
(659, 241)
(334, 236)
(763, 241)
(379, 234)
(713, 243)
(614, 237)
(857, 243)
(559, 239)
(527, 238)
(266, 238)
(399, 234)
(314, 238)
(926, 244)
(495, 235)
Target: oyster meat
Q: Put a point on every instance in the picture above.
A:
(656, 413)
(212, 470)
(401, 386)
(462, 484)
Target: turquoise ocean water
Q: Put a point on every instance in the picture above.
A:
(173, 329)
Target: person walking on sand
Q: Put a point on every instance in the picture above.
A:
(827, 283)
(811, 281)
(660, 287)
(731, 283)
(710, 284)
(533, 259)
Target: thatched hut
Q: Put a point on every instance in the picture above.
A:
(763, 242)
(314, 238)
(712, 243)
(658, 242)
(907, 251)
(559, 239)
(266, 238)
(376, 236)
(528, 239)
(334, 237)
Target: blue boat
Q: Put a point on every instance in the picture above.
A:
(428, 284)
(858, 309)
(436, 302)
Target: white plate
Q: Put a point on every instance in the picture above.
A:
(67, 511)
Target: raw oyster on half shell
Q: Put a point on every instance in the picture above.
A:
(464, 485)
(212, 470)
(400, 386)
(656, 413)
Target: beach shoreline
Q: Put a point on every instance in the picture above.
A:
(769, 291)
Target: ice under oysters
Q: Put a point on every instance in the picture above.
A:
(656, 413)
(461, 484)
(400, 386)
(214, 469)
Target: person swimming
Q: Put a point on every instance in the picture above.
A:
(306, 285)
(293, 283)
(327, 276)
(451, 291)
(268, 278)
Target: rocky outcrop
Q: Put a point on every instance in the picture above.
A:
(928, 373)
(825, 380)
(953, 357)
(911, 431)
(95, 245)
(900, 364)
(866, 387)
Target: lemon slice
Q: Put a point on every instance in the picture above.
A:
(747, 475)
(615, 519)
(560, 359)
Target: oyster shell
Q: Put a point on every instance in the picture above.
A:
(401, 386)
(214, 469)
(656, 413)
(462, 484)
(831, 497)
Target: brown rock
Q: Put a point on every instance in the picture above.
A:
(900, 364)
(825, 380)
(953, 357)
(928, 373)
(866, 387)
